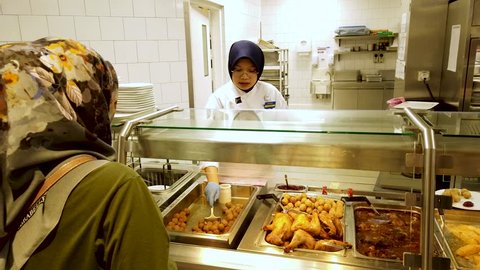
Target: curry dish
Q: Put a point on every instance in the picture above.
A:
(387, 235)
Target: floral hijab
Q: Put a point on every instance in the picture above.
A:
(56, 100)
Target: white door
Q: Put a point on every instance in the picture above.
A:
(201, 55)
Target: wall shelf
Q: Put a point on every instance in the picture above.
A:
(337, 54)
(367, 37)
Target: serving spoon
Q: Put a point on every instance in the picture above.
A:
(212, 216)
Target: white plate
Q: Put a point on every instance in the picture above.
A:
(135, 85)
(475, 199)
(418, 105)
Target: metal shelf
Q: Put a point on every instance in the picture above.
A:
(276, 69)
(368, 37)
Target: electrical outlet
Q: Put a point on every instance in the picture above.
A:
(423, 75)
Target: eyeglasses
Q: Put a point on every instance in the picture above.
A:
(240, 72)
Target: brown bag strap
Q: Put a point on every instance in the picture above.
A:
(59, 172)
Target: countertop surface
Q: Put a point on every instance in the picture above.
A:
(363, 84)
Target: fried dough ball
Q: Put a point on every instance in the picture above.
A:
(457, 194)
(466, 193)
(230, 213)
(310, 204)
(293, 199)
(178, 222)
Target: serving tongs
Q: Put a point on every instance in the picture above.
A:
(276, 199)
(380, 217)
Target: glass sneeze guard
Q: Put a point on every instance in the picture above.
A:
(289, 121)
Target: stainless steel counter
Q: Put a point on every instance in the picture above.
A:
(251, 254)
(190, 257)
(367, 140)
(364, 85)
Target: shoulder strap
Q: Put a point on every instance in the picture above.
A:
(58, 172)
(45, 213)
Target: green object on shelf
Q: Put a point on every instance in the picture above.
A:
(384, 34)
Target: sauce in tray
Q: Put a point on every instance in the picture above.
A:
(291, 187)
(388, 235)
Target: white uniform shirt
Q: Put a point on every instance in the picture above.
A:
(262, 96)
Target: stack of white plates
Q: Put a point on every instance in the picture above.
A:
(135, 97)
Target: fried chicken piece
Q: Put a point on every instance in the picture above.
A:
(331, 245)
(326, 220)
(316, 228)
(301, 239)
(338, 225)
(280, 229)
(311, 225)
(301, 221)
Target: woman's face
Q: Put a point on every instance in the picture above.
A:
(244, 74)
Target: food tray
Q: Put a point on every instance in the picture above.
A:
(291, 188)
(391, 228)
(454, 218)
(194, 199)
(262, 242)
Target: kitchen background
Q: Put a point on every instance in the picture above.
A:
(145, 39)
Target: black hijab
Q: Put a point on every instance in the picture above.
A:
(246, 49)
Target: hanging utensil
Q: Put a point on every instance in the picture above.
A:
(379, 217)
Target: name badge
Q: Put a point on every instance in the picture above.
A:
(269, 104)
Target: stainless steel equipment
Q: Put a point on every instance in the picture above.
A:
(363, 140)
(254, 239)
(167, 181)
(194, 199)
(461, 61)
(420, 47)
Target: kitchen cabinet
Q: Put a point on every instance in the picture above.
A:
(369, 99)
(345, 99)
(390, 141)
(276, 69)
(361, 95)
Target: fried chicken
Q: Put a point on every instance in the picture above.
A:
(280, 229)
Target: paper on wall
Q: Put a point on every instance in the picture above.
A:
(453, 51)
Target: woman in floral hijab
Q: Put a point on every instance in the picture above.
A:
(56, 101)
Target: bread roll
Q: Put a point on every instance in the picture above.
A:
(466, 193)
(456, 197)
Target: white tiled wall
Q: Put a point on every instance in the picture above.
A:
(144, 39)
(287, 23)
